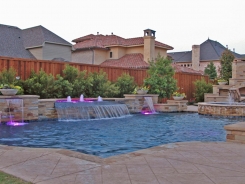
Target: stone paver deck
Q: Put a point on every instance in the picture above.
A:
(179, 163)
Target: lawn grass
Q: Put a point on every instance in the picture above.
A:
(9, 179)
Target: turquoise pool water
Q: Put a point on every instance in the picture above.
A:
(110, 137)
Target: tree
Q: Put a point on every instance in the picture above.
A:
(210, 70)
(226, 65)
(161, 78)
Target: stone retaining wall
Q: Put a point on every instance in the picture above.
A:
(221, 109)
(235, 132)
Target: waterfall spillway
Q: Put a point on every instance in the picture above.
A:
(13, 111)
(149, 102)
(77, 110)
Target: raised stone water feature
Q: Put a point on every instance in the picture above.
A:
(227, 100)
(74, 110)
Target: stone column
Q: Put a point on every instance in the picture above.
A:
(196, 57)
(149, 45)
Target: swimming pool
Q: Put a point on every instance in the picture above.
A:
(110, 137)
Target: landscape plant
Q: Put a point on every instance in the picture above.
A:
(8, 76)
(210, 70)
(46, 86)
(161, 78)
(78, 79)
(8, 80)
(101, 86)
(226, 65)
(125, 84)
(201, 87)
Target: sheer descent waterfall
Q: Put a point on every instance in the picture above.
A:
(76, 111)
(149, 102)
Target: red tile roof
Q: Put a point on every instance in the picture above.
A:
(127, 61)
(104, 41)
(137, 61)
(181, 69)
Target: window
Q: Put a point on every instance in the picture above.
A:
(110, 54)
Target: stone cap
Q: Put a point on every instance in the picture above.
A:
(237, 127)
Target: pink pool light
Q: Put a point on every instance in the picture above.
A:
(13, 123)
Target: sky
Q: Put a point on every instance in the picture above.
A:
(178, 23)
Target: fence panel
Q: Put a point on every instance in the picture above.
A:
(24, 67)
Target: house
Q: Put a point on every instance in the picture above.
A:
(112, 50)
(201, 55)
(33, 43)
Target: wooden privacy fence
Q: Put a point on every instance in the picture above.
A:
(24, 67)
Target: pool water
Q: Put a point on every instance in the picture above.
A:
(110, 137)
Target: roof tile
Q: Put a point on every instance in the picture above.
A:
(127, 61)
(104, 41)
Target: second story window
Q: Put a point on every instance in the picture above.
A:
(110, 54)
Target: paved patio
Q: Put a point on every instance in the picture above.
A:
(178, 163)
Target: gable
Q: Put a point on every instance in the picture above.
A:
(11, 43)
(36, 36)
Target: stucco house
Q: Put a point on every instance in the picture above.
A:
(33, 43)
(113, 50)
(201, 55)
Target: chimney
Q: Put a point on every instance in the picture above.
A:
(97, 33)
(196, 57)
(149, 45)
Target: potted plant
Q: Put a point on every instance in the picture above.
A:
(178, 96)
(222, 81)
(142, 90)
(9, 90)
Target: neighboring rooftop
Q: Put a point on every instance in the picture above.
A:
(14, 42)
(11, 43)
(127, 61)
(137, 61)
(36, 36)
(104, 41)
(209, 50)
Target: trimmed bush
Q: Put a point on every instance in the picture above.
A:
(125, 84)
(201, 87)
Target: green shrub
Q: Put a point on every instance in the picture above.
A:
(125, 84)
(70, 73)
(46, 86)
(201, 87)
(81, 84)
(39, 84)
(61, 88)
(8, 76)
(100, 86)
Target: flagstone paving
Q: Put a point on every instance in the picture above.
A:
(178, 163)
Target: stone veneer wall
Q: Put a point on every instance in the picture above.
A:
(10, 108)
(46, 109)
(221, 109)
(172, 106)
(235, 132)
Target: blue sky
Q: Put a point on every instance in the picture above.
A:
(178, 23)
